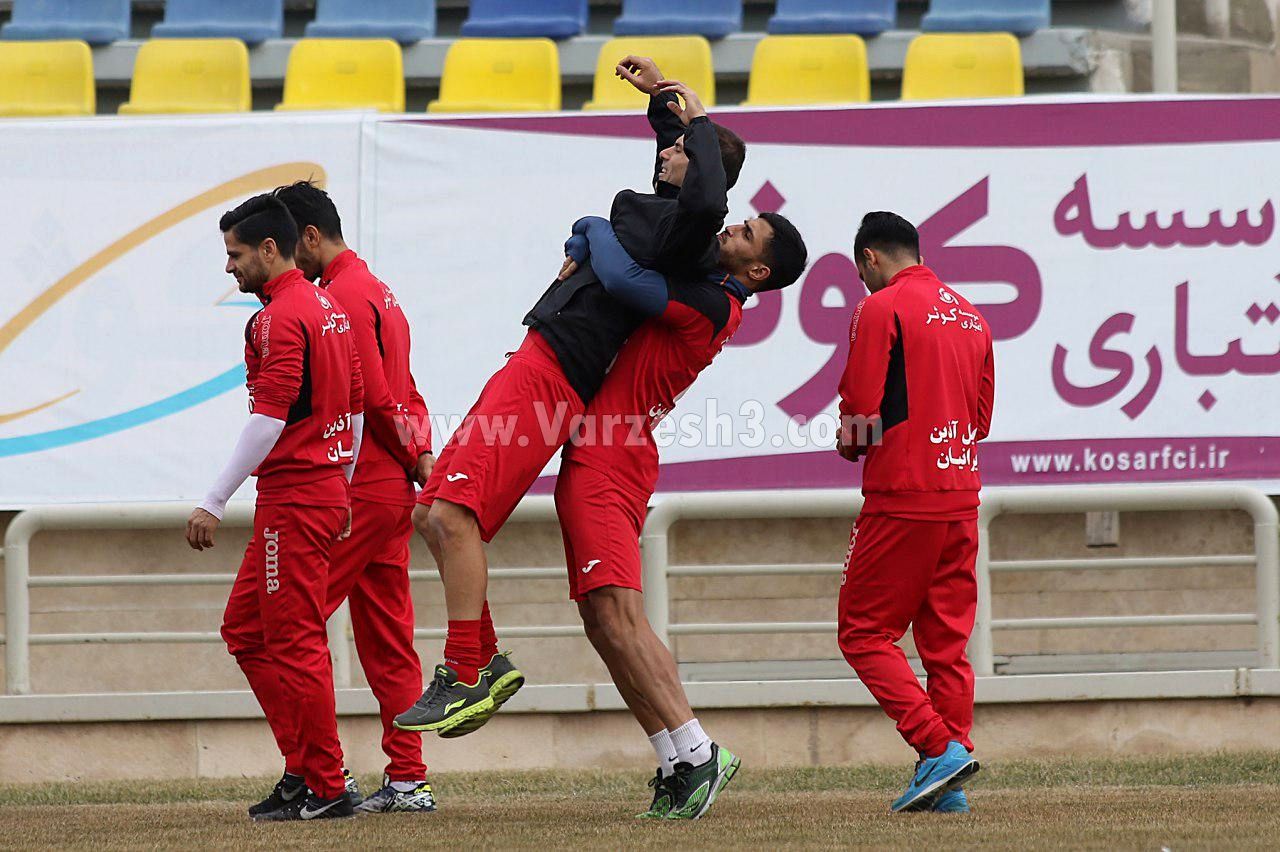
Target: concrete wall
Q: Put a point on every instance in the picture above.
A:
(93, 668)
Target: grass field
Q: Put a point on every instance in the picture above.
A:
(1223, 801)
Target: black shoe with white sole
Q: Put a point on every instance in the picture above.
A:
(312, 807)
(289, 788)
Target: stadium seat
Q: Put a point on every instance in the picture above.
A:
(525, 19)
(500, 75)
(951, 65)
(985, 16)
(683, 58)
(809, 69)
(406, 21)
(94, 21)
(252, 21)
(190, 75)
(864, 17)
(46, 78)
(709, 18)
(344, 73)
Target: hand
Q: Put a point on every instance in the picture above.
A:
(641, 72)
(692, 108)
(346, 531)
(200, 529)
(422, 471)
(566, 271)
(848, 450)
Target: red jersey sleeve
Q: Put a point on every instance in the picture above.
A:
(986, 393)
(281, 344)
(421, 419)
(872, 334)
(357, 383)
(382, 415)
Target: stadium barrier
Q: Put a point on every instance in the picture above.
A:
(657, 568)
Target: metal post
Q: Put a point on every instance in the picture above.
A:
(17, 605)
(1164, 46)
(654, 559)
(981, 646)
(1267, 545)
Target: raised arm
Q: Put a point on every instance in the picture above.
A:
(642, 72)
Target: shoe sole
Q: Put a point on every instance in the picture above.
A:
(502, 690)
(480, 708)
(925, 799)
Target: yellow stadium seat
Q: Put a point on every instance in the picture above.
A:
(344, 73)
(683, 58)
(500, 75)
(190, 75)
(955, 65)
(46, 78)
(809, 69)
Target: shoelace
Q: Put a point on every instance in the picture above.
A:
(436, 693)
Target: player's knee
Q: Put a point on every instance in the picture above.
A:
(421, 512)
(590, 621)
(615, 612)
(450, 523)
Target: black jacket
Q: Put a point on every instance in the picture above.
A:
(671, 230)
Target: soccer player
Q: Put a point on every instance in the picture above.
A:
(371, 566)
(915, 399)
(576, 330)
(607, 478)
(301, 441)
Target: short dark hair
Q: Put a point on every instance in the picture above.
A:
(888, 232)
(785, 255)
(733, 153)
(260, 218)
(311, 205)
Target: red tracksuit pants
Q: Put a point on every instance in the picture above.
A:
(371, 568)
(275, 628)
(902, 573)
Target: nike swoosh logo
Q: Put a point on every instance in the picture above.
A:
(289, 797)
(457, 703)
(454, 477)
(695, 748)
(307, 813)
(593, 563)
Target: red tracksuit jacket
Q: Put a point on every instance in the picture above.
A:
(302, 368)
(391, 443)
(920, 362)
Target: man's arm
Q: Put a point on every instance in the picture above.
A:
(872, 333)
(684, 235)
(986, 393)
(638, 288)
(642, 72)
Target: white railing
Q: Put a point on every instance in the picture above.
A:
(658, 569)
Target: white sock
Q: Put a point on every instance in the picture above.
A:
(665, 751)
(405, 786)
(692, 744)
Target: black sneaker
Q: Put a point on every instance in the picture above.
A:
(312, 807)
(353, 787)
(389, 800)
(662, 798)
(447, 704)
(695, 788)
(504, 681)
(290, 788)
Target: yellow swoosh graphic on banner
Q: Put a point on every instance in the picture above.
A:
(256, 181)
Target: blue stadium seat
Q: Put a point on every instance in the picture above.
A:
(94, 21)
(251, 21)
(863, 17)
(405, 21)
(986, 16)
(707, 18)
(526, 19)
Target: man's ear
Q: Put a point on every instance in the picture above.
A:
(758, 273)
(269, 250)
(311, 235)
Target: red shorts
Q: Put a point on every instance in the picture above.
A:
(601, 524)
(523, 415)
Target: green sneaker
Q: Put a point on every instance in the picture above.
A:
(695, 788)
(662, 798)
(504, 681)
(447, 704)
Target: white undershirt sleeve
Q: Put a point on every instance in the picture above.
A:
(357, 433)
(259, 436)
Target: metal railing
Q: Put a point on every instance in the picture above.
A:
(658, 568)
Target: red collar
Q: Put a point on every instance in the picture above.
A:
(910, 272)
(280, 282)
(340, 264)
